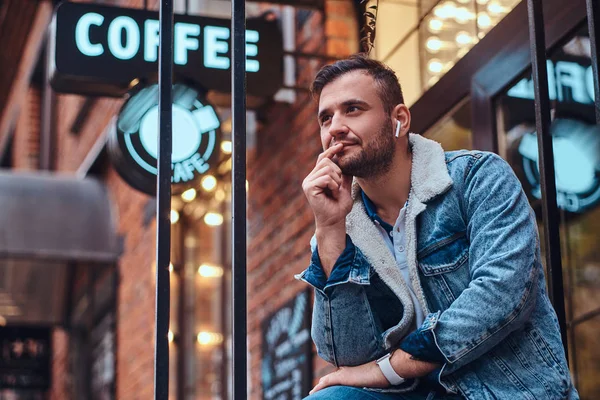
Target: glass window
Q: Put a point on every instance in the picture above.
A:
(422, 40)
(576, 142)
(453, 131)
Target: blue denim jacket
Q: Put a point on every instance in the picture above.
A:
(473, 250)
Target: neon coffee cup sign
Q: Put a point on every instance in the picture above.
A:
(133, 145)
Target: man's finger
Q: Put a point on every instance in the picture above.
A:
(322, 183)
(330, 152)
(336, 176)
(326, 381)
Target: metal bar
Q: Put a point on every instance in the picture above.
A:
(163, 201)
(238, 84)
(546, 163)
(593, 16)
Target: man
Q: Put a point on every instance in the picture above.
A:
(426, 265)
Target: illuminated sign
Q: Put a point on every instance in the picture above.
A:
(576, 162)
(567, 81)
(100, 50)
(133, 143)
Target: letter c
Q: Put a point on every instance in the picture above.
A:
(82, 35)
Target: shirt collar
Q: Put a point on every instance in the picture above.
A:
(372, 213)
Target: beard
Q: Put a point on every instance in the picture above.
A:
(372, 160)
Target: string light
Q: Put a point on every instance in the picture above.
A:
(209, 183)
(189, 195)
(226, 146)
(462, 15)
(210, 271)
(445, 11)
(213, 219)
(209, 338)
(495, 8)
(174, 216)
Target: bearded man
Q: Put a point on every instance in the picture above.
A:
(426, 264)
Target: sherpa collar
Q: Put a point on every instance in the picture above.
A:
(429, 176)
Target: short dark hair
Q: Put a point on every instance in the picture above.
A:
(385, 78)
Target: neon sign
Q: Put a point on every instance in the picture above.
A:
(576, 162)
(133, 142)
(100, 50)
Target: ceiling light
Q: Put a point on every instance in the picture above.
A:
(174, 216)
(483, 20)
(226, 146)
(462, 15)
(209, 183)
(210, 271)
(434, 44)
(463, 38)
(435, 25)
(213, 219)
(435, 66)
(445, 11)
(189, 195)
(495, 8)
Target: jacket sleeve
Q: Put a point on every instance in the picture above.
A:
(505, 274)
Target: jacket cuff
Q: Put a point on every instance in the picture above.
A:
(421, 343)
(346, 268)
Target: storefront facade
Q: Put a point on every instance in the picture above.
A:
(451, 58)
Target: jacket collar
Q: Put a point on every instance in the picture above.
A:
(429, 176)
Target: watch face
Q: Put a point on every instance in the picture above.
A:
(134, 145)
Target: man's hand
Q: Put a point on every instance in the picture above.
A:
(370, 375)
(328, 190)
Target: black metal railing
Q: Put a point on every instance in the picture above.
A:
(238, 104)
(163, 202)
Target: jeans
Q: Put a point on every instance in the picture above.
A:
(354, 393)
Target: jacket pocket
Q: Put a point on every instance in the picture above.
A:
(445, 255)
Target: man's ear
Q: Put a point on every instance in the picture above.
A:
(402, 114)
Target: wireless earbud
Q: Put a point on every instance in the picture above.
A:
(398, 126)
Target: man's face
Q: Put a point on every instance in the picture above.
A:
(351, 113)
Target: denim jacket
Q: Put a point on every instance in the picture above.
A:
(474, 258)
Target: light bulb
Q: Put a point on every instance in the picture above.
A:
(170, 336)
(445, 11)
(174, 216)
(209, 338)
(483, 20)
(435, 25)
(462, 15)
(435, 66)
(210, 271)
(209, 183)
(495, 8)
(213, 219)
(170, 267)
(226, 146)
(434, 44)
(188, 195)
(463, 38)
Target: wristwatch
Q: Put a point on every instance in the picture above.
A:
(388, 371)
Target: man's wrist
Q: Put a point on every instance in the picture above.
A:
(331, 242)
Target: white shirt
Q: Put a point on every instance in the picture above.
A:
(398, 249)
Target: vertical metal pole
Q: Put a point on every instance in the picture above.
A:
(593, 18)
(238, 77)
(546, 163)
(163, 199)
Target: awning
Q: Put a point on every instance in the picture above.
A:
(46, 222)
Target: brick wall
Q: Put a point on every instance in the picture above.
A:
(280, 222)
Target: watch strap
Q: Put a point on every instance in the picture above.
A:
(388, 371)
